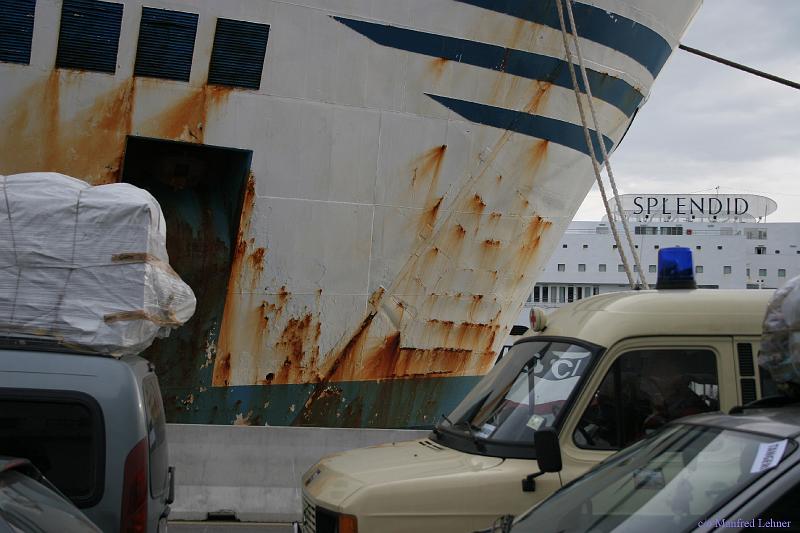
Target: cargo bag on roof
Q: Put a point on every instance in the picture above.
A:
(86, 265)
(780, 342)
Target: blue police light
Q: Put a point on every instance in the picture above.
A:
(675, 269)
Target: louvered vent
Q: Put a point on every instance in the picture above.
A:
(89, 36)
(16, 30)
(746, 365)
(748, 391)
(166, 44)
(237, 58)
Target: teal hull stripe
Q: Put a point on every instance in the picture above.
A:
(528, 65)
(393, 403)
(627, 36)
(550, 129)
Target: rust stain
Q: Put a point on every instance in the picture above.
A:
(491, 243)
(427, 168)
(222, 370)
(477, 204)
(256, 259)
(247, 315)
(298, 345)
(187, 119)
(437, 65)
(87, 145)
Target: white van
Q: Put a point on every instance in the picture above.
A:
(604, 372)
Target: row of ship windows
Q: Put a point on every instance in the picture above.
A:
(727, 269)
(562, 293)
(759, 250)
(89, 40)
(750, 233)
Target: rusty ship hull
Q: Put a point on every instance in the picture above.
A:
(363, 217)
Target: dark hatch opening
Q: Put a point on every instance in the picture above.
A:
(200, 189)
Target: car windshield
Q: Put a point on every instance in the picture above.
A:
(524, 392)
(669, 482)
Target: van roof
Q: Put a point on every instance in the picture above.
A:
(608, 318)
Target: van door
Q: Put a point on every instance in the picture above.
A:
(640, 385)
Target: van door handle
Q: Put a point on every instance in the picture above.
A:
(171, 492)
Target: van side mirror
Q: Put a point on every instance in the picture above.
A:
(548, 451)
(548, 455)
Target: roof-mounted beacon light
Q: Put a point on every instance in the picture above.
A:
(675, 269)
(538, 319)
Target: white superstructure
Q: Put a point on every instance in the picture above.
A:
(730, 250)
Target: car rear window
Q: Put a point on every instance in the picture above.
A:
(62, 434)
(156, 435)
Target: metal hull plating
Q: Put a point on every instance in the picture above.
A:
(412, 165)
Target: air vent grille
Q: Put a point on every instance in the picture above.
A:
(16, 30)
(166, 44)
(89, 37)
(746, 365)
(748, 391)
(237, 58)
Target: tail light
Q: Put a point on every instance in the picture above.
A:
(348, 524)
(134, 491)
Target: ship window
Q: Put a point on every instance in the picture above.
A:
(719, 247)
(761, 250)
(636, 268)
(748, 273)
(781, 272)
(595, 290)
(698, 269)
(535, 294)
(166, 44)
(777, 251)
(89, 36)
(570, 293)
(727, 269)
(651, 268)
(581, 267)
(762, 272)
(754, 233)
(562, 294)
(563, 245)
(562, 267)
(578, 293)
(698, 247)
(614, 246)
(16, 30)
(656, 247)
(585, 245)
(545, 293)
(620, 268)
(645, 230)
(671, 230)
(237, 58)
(601, 267)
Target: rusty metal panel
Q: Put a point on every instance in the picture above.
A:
(401, 203)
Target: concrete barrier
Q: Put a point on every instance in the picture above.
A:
(254, 472)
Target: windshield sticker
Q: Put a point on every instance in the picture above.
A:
(535, 422)
(645, 478)
(486, 430)
(566, 367)
(768, 456)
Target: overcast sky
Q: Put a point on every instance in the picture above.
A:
(707, 125)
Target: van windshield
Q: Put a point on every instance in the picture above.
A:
(526, 391)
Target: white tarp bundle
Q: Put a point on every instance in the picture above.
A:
(780, 343)
(86, 265)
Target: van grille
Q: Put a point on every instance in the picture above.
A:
(309, 516)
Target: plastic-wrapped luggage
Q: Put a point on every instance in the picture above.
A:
(780, 342)
(86, 265)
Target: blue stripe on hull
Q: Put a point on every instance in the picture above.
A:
(550, 129)
(391, 403)
(528, 65)
(631, 38)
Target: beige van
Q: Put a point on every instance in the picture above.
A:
(604, 372)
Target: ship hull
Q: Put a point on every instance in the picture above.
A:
(362, 229)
